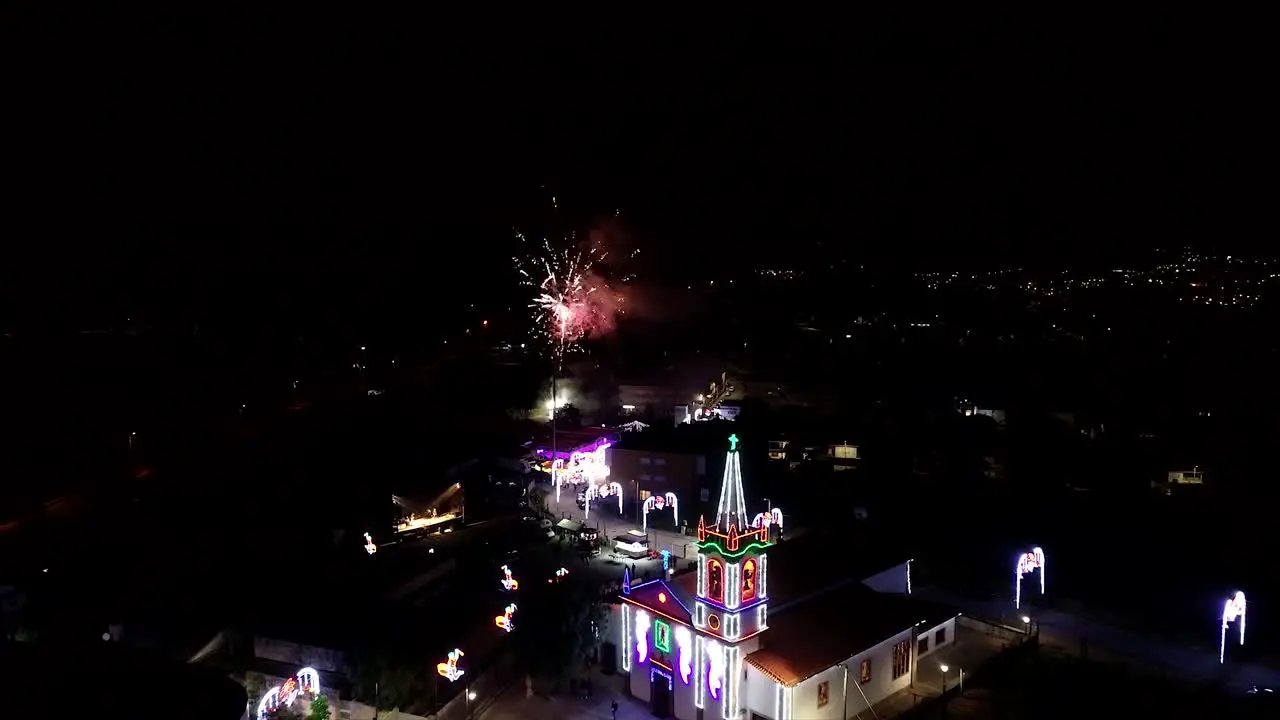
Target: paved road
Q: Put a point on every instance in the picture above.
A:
(1105, 642)
(607, 521)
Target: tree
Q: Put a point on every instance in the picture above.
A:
(388, 681)
(557, 628)
(319, 708)
(284, 712)
(254, 686)
(568, 416)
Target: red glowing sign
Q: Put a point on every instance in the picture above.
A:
(289, 690)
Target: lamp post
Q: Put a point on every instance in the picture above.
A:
(467, 704)
(944, 668)
(555, 449)
(131, 436)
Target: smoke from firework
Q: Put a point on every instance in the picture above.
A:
(573, 299)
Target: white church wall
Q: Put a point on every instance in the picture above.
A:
(682, 704)
(615, 633)
(640, 681)
(881, 684)
(939, 636)
(761, 691)
(806, 698)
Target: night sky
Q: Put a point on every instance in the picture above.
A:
(184, 162)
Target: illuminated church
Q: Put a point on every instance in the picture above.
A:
(748, 637)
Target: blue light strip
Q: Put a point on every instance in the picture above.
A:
(656, 671)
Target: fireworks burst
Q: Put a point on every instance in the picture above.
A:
(572, 299)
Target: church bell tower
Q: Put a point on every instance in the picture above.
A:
(731, 607)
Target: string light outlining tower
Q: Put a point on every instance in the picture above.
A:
(1027, 562)
(1233, 610)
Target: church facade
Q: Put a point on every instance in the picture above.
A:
(702, 646)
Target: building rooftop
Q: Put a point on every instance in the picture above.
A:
(801, 568)
(800, 572)
(835, 627)
(705, 437)
(569, 439)
(673, 596)
(116, 680)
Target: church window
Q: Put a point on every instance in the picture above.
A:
(662, 636)
(901, 658)
(748, 580)
(715, 580)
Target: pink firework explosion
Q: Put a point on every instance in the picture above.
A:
(572, 301)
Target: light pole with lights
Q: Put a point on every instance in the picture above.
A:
(471, 695)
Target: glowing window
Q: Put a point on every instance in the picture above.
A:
(748, 580)
(662, 636)
(715, 580)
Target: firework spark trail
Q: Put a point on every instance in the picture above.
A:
(572, 299)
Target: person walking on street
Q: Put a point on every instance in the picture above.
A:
(614, 707)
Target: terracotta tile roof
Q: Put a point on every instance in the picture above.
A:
(833, 628)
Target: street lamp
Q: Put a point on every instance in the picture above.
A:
(1026, 622)
(131, 436)
(471, 695)
(944, 668)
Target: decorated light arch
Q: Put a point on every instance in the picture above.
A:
(305, 680)
(1028, 561)
(602, 490)
(773, 517)
(659, 502)
(1233, 610)
(589, 467)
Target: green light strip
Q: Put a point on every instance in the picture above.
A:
(712, 545)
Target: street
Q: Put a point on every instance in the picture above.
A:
(604, 517)
(1104, 643)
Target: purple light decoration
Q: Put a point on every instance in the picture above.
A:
(588, 448)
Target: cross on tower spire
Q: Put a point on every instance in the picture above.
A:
(732, 509)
